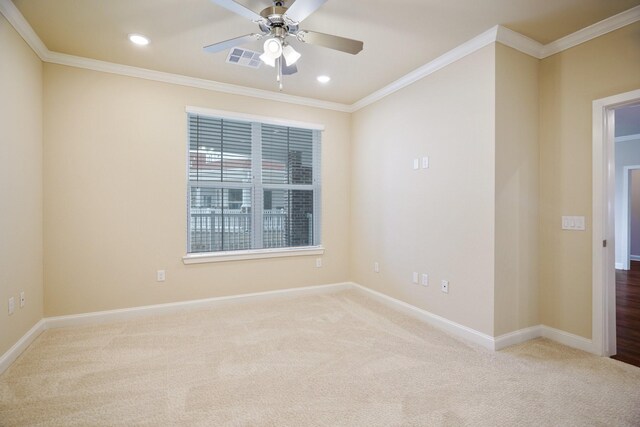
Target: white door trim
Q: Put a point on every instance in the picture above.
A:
(603, 258)
(625, 226)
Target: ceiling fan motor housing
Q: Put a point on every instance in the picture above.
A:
(276, 22)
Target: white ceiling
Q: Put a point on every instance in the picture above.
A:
(399, 36)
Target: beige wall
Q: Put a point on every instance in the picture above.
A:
(20, 185)
(439, 220)
(115, 195)
(569, 82)
(516, 180)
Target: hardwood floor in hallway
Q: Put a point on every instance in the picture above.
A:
(628, 314)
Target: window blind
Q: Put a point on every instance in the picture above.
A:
(252, 185)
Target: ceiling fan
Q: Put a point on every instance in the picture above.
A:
(277, 22)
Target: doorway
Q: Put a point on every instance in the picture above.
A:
(616, 306)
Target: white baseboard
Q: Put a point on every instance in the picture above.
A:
(134, 312)
(129, 313)
(469, 334)
(439, 322)
(517, 337)
(568, 339)
(619, 266)
(634, 257)
(12, 354)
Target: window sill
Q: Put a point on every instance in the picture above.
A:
(251, 254)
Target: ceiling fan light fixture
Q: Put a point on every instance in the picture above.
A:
(273, 47)
(267, 59)
(291, 56)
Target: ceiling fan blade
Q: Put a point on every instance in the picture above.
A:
(228, 44)
(301, 9)
(239, 9)
(287, 70)
(332, 42)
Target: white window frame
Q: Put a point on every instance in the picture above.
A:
(257, 193)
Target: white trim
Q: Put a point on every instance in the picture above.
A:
(627, 138)
(135, 312)
(591, 32)
(12, 354)
(568, 339)
(232, 115)
(456, 329)
(619, 266)
(431, 67)
(603, 259)
(177, 79)
(199, 258)
(439, 322)
(517, 337)
(634, 257)
(496, 34)
(519, 42)
(16, 19)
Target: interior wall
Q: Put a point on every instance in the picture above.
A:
(115, 195)
(634, 228)
(20, 185)
(517, 193)
(569, 82)
(440, 220)
(627, 154)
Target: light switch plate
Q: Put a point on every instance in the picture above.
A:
(575, 223)
(416, 163)
(425, 279)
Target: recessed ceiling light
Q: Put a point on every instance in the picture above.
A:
(324, 79)
(138, 39)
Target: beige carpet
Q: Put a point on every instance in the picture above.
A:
(331, 360)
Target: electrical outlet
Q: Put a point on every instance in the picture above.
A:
(22, 299)
(444, 286)
(425, 279)
(12, 305)
(415, 277)
(318, 262)
(160, 276)
(376, 267)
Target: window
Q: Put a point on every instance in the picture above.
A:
(252, 185)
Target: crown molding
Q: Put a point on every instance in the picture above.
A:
(519, 42)
(440, 62)
(177, 79)
(496, 34)
(591, 32)
(15, 18)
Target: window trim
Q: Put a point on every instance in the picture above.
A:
(240, 255)
(204, 257)
(242, 117)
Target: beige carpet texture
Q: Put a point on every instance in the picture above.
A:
(337, 359)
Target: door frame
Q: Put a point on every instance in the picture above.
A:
(603, 333)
